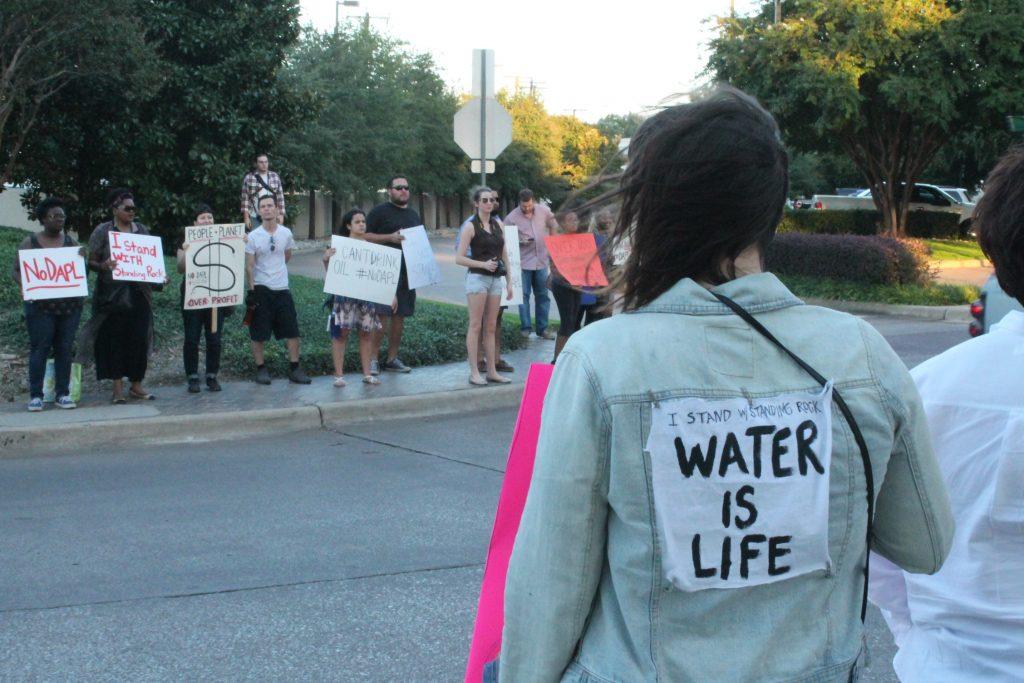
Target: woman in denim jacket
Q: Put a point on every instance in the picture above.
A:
(699, 504)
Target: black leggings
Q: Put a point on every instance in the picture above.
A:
(568, 301)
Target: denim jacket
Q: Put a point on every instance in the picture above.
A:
(586, 595)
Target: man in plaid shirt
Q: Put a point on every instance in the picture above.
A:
(257, 182)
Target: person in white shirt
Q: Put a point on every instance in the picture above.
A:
(267, 253)
(966, 622)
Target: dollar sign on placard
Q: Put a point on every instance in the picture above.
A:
(210, 264)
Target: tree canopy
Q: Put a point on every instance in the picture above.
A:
(888, 82)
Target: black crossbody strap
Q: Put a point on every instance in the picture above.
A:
(843, 408)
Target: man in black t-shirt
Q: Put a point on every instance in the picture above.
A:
(382, 226)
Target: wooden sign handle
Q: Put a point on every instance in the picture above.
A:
(213, 320)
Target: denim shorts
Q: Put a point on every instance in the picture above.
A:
(484, 284)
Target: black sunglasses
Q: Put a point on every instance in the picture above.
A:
(400, 187)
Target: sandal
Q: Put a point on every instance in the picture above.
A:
(141, 397)
(339, 381)
(118, 400)
(370, 379)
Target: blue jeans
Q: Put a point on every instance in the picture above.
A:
(535, 281)
(47, 331)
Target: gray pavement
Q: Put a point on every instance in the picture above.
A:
(326, 555)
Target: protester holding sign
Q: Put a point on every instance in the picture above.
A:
(267, 253)
(355, 314)
(51, 323)
(122, 311)
(567, 297)
(199, 321)
(485, 283)
(700, 502)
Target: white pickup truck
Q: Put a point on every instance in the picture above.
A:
(925, 198)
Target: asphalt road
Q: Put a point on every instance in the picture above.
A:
(315, 556)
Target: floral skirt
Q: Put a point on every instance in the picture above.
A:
(354, 314)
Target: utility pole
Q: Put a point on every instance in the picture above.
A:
(778, 11)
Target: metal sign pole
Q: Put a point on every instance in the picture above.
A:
(483, 118)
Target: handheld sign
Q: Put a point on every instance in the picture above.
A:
(140, 258)
(214, 266)
(741, 488)
(420, 263)
(363, 270)
(514, 276)
(52, 273)
(576, 258)
(490, 611)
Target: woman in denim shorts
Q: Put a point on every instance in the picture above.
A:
(485, 282)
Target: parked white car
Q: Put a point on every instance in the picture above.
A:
(924, 198)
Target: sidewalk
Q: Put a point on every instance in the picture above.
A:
(246, 409)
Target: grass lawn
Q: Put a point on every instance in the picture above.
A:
(931, 295)
(954, 250)
(436, 334)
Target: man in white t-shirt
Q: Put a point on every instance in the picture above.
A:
(966, 622)
(266, 263)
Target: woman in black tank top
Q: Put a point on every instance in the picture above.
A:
(482, 251)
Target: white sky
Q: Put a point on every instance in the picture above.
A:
(589, 57)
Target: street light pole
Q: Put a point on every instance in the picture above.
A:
(778, 11)
(339, 3)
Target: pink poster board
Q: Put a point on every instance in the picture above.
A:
(490, 612)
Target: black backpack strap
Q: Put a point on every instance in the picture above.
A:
(843, 408)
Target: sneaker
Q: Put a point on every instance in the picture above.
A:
(193, 385)
(65, 402)
(525, 334)
(547, 334)
(396, 365)
(212, 384)
(262, 375)
(35, 405)
(374, 367)
(297, 376)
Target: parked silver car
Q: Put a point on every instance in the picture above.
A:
(991, 307)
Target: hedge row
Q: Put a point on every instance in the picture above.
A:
(925, 224)
(856, 258)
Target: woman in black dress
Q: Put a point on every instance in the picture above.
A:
(123, 310)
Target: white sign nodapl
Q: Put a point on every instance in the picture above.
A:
(363, 270)
(741, 488)
(214, 265)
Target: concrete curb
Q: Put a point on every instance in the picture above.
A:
(47, 440)
(953, 314)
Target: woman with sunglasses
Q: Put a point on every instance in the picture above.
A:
(485, 282)
(122, 311)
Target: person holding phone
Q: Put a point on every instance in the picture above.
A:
(535, 222)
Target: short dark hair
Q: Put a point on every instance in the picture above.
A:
(704, 182)
(201, 209)
(43, 207)
(392, 179)
(346, 222)
(525, 195)
(259, 202)
(999, 221)
(118, 195)
(257, 156)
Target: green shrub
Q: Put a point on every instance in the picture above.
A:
(856, 258)
(925, 224)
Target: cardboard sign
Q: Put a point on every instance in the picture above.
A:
(490, 612)
(52, 273)
(140, 258)
(363, 270)
(420, 263)
(214, 266)
(741, 488)
(576, 258)
(514, 276)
